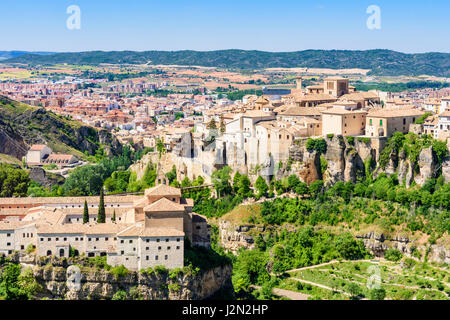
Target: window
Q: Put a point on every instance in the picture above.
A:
(49, 239)
(157, 240)
(122, 252)
(159, 248)
(8, 244)
(121, 241)
(178, 247)
(89, 239)
(8, 234)
(156, 257)
(147, 258)
(65, 239)
(167, 240)
(147, 248)
(168, 248)
(42, 239)
(166, 257)
(148, 240)
(178, 239)
(131, 241)
(106, 239)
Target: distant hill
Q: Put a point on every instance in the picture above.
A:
(380, 62)
(14, 54)
(22, 125)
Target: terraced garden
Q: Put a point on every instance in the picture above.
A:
(407, 280)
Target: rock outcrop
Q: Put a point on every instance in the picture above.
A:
(95, 284)
(233, 236)
(377, 243)
(427, 166)
(45, 179)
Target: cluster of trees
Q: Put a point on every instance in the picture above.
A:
(400, 86)
(282, 251)
(15, 283)
(430, 203)
(13, 181)
(89, 180)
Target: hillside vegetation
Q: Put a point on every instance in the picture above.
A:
(380, 62)
(22, 125)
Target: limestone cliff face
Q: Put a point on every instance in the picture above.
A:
(306, 164)
(427, 166)
(101, 284)
(233, 236)
(446, 170)
(335, 157)
(377, 243)
(44, 178)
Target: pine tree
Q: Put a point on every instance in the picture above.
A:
(85, 212)
(222, 125)
(101, 218)
(212, 125)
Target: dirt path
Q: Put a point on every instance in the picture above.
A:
(320, 286)
(293, 295)
(327, 263)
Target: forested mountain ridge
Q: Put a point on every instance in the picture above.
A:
(380, 62)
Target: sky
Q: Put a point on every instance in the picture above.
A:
(412, 26)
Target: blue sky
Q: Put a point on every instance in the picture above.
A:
(281, 25)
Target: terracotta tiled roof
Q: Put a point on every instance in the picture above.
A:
(164, 205)
(37, 147)
(150, 232)
(394, 113)
(303, 111)
(163, 190)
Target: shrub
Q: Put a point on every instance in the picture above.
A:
(120, 295)
(377, 294)
(393, 254)
(119, 271)
(160, 270)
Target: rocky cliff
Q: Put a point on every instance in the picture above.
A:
(346, 160)
(55, 278)
(378, 243)
(22, 125)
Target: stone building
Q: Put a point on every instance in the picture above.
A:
(384, 122)
(148, 230)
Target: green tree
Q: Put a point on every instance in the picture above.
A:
(85, 213)
(377, 294)
(221, 181)
(212, 125)
(261, 186)
(101, 217)
(354, 290)
(14, 182)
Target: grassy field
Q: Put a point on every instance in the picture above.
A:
(408, 280)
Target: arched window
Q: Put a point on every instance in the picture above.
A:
(49, 253)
